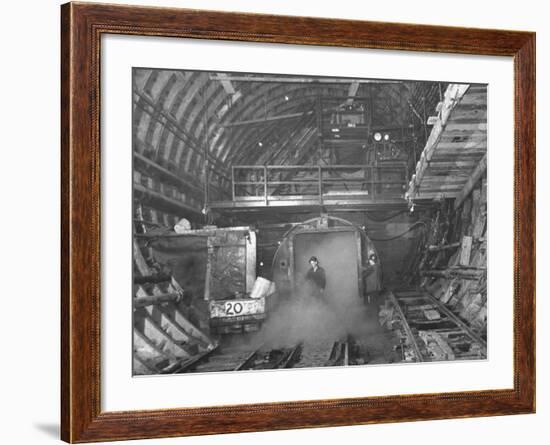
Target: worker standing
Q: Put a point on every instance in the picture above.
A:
(316, 279)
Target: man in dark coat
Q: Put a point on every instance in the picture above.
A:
(316, 278)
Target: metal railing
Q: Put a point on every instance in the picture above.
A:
(321, 182)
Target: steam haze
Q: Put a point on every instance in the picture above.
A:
(339, 312)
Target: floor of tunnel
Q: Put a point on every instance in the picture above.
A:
(304, 335)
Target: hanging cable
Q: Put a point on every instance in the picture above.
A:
(411, 228)
(386, 218)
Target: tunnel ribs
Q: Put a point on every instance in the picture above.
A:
(165, 338)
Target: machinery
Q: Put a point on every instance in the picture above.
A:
(230, 277)
(344, 250)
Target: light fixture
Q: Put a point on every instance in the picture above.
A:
(386, 137)
(335, 130)
(260, 144)
(286, 98)
(377, 136)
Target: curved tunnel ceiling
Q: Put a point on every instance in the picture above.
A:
(236, 118)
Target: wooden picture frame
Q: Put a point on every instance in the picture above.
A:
(82, 26)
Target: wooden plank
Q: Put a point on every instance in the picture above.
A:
(440, 187)
(458, 126)
(476, 175)
(449, 291)
(460, 323)
(479, 213)
(250, 261)
(474, 99)
(451, 172)
(442, 172)
(139, 260)
(477, 88)
(453, 94)
(449, 165)
(460, 177)
(354, 86)
(145, 346)
(452, 155)
(464, 136)
(226, 83)
(155, 337)
(406, 326)
(465, 251)
(149, 300)
(421, 194)
(479, 114)
(461, 145)
(465, 274)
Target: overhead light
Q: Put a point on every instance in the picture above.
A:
(377, 136)
(260, 144)
(335, 130)
(286, 97)
(386, 137)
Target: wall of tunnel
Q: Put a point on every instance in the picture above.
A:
(451, 261)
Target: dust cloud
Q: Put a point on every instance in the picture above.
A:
(307, 318)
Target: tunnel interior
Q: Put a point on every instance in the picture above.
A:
(239, 179)
(340, 255)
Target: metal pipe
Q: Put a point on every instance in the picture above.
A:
(150, 300)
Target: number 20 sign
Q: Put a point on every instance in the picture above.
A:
(235, 308)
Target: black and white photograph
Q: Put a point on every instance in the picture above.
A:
(290, 221)
(275, 222)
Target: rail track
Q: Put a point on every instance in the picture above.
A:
(422, 330)
(431, 331)
(303, 354)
